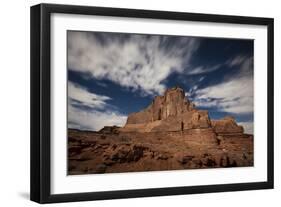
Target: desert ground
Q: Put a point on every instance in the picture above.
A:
(114, 152)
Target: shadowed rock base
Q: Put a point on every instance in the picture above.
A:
(94, 152)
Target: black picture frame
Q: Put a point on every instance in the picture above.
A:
(41, 98)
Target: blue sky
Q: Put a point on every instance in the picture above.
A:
(112, 74)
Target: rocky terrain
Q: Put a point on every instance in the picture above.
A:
(170, 134)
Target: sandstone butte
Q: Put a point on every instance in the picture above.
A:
(174, 112)
(170, 134)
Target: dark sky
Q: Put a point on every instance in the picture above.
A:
(112, 74)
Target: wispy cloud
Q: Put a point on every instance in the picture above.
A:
(234, 95)
(201, 79)
(93, 120)
(188, 94)
(98, 114)
(78, 94)
(236, 61)
(203, 69)
(139, 62)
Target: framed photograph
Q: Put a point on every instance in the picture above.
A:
(132, 103)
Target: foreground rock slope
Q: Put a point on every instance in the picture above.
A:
(170, 134)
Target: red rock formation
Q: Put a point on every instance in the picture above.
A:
(171, 112)
(109, 129)
(174, 112)
(177, 136)
(227, 125)
(173, 103)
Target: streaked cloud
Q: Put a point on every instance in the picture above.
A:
(138, 62)
(201, 79)
(93, 120)
(80, 95)
(203, 69)
(237, 60)
(98, 114)
(234, 95)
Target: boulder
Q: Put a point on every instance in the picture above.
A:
(109, 129)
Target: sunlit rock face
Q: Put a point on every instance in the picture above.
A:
(174, 112)
(172, 103)
(227, 125)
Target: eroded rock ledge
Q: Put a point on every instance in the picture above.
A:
(174, 112)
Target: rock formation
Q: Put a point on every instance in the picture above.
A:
(227, 125)
(170, 134)
(174, 112)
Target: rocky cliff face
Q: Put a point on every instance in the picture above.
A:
(227, 125)
(177, 136)
(172, 103)
(174, 112)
